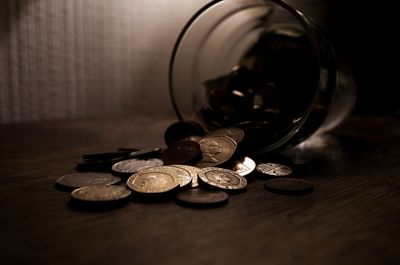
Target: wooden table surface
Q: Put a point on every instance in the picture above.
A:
(352, 217)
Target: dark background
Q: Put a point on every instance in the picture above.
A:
(363, 33)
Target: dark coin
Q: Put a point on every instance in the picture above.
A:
(288, 186)
(182, 129)
(202, 198)
(101, 193)
(274, 169)
(105, 156)
(222, 178)
(216, 150)
(182, 152)
(134, 165)
(235, 133)
(148, 151)
(77, 180)
(244, 166)
(98, 165)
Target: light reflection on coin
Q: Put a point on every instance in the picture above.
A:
(101, 193)
(274, 169)
(134, 165)
(77, 180)
(216, 150)
(193, 173)
(184, 177)
(152, 182)
(244, 166)
(222, 178)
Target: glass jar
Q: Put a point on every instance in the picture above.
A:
(262, 66)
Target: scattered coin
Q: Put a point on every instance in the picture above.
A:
(193, 173)
(183, 176)
(152, 182)
(202, 198)
(182, 152)
(182, 129)
(105, 156)
(134, 165)
(288, 186)
(145, 152)
(274, 169)
(100, 193)
(77, 180)
(222, 178)
(235, 133)
(216, 150)
(244, 166)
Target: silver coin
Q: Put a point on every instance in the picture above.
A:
(77, 180)
(134, 165)
(152, 182)
(222, 178)
(101, 193)
(184, 177)
(244, 166)
(193, 173)
(235, 133)
(216, 150)
(274, 169)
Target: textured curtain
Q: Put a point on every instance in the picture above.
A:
(87, 58)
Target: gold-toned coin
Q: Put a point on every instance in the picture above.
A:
(101, 193)
(193, 173)
(183, 176)
(235, 133)
(216, 150)
(222, 178)
(152, 182)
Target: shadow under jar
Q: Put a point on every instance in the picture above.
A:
(262, 66)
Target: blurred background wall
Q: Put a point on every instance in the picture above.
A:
(88, 58)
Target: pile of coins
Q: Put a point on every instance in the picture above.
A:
(198, 169)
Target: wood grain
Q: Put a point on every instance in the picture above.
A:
(352, 217)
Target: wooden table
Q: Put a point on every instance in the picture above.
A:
(352, 217)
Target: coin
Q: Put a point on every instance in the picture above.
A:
(145, 152)
(183, 176)
(202, 198)
(100, 193)
(182, 129)
(235, 133)
(222, 178)
(274, 169)
(134, 165)
(288, 186)
(152, 182)
(105, 156)
(193, 173)
(182, 152)
(216, 150)
(244, 166)
(77, 180)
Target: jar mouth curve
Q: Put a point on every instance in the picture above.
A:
(306, 24)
